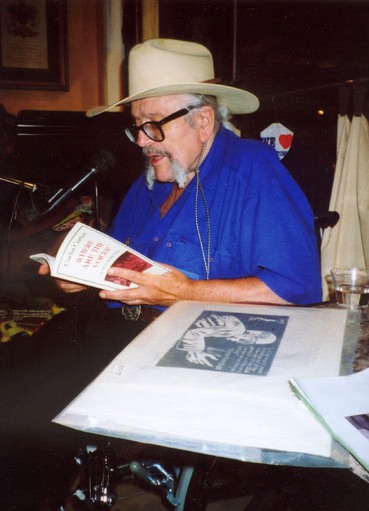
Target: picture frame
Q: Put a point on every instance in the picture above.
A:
(33, 45)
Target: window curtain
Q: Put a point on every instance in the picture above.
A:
(347, 243)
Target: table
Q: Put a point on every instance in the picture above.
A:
(139, 363)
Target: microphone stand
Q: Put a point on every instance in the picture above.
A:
(97, 204)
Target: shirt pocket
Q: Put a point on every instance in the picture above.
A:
(188, 258)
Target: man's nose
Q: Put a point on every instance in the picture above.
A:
(142, 139)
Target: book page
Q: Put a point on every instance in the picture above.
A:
(44, 258)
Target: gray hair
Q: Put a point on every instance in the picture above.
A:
(222, 112)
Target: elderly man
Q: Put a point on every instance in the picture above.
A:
(221, 212)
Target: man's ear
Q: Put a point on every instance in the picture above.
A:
(206, 122)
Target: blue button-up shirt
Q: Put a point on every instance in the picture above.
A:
(260, 221)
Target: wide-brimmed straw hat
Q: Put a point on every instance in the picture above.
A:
(161, 67)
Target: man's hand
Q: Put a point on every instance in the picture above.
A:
(63, 285)
(162, 290)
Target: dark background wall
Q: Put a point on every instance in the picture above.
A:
(293, 55)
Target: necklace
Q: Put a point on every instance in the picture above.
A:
(200, 192)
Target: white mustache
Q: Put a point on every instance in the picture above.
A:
(148, 151)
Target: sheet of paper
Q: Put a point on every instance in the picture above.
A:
(342, 405)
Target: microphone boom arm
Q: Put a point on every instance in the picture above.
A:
(61, 198)
(101, 162)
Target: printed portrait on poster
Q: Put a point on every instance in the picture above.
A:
(230, 342)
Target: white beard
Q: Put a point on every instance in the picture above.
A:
(180, 175)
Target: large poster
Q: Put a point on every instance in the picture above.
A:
(213, 378)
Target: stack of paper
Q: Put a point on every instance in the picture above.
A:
(342, 405)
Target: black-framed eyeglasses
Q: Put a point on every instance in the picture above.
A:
(153, 129)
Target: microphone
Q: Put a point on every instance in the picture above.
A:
(100, 162)
(18, 182)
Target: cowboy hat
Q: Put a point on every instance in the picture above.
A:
(161, 67)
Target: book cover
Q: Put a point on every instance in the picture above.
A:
(86, 255)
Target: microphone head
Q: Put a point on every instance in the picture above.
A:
(103, 160)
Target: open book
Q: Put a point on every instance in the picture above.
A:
(341, 404)
(86, 255)
(213, 378)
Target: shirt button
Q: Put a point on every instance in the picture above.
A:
(156, 238)
(168, 244)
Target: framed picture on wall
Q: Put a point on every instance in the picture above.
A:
(33, 44)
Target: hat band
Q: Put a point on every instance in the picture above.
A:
(212, 80)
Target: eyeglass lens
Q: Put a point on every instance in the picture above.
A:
(153, 129)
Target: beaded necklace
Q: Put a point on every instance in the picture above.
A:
(200, 192)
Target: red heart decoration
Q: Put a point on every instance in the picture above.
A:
(285, 141)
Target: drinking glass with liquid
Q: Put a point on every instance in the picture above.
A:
(351, 286)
